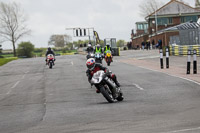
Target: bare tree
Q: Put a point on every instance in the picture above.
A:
(149, 6)
(12, 23)
(59, 40)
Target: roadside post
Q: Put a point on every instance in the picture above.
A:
(161, 58)
(195, 61)
(167, 57)
(188, 61)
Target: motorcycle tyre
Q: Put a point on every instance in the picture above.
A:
(120, 97)
(50, 65)
(105, 93)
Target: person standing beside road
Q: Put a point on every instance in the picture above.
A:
(143, 45)
(153, 43)
(159, 43)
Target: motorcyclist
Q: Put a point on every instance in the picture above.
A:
(108, 48)
(49, 51)
(98, 49)
(90, 49)
(94, 67)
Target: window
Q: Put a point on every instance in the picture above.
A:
(163, 21)
(189, 18)
(140, 27)
(170, 21)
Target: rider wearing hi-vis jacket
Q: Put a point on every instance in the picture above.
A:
(98, 49)
(108, 48)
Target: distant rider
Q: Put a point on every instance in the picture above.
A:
(98, 49)
(90, 49)
(49, 51)
(94, 67)
(108, 48)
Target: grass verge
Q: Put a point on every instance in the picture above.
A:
(6, 60)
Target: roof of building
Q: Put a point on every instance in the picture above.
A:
(174, 7)
(142, 22)
(184, 26)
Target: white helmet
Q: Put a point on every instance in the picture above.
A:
(89, 45)
(90, 63)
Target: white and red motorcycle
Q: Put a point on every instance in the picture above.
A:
(107, 87)
(50, 60)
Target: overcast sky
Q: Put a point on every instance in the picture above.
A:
(110, 18)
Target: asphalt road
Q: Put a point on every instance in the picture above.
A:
(36, 99)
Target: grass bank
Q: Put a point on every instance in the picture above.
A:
(6, 60)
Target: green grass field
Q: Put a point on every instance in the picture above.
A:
(6, 60)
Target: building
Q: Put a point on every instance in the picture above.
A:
(171, 14)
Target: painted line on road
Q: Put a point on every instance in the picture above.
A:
(72, 63)
(172, 75)
(183, 130)
(137, 86)
(26, 72)
(15, 84)
(23, 76)
(13, 87)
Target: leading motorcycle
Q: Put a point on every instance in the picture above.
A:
(107, 87)
(50, 60)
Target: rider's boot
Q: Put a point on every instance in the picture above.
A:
(97, 91)
(115, 80)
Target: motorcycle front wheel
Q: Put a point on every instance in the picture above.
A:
(107, 94)
(50, 65)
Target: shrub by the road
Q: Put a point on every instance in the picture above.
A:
(25, 49)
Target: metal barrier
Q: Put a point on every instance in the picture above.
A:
(182, 50)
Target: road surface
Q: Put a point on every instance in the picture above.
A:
(36, 99)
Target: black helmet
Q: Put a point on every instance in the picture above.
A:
(49, 49)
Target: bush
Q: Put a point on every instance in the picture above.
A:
(25, 49)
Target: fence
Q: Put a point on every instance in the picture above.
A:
(183, 49)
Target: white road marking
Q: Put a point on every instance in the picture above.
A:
(23, 76)
(15, 84)
(137, 86)
(26, 71)
(183, 130)
(72, 63)
(13, 87)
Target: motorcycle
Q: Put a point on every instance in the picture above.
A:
(98, 58)
(50, 60)
(108, 57)
(107, 87)
(90, 55)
